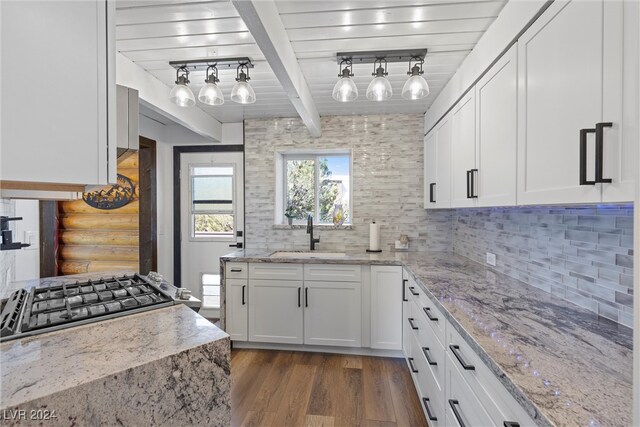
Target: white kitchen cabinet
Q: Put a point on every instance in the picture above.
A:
(58, 94)
(438, 166)
(569, 79)
(332, 313)
(237, 299)
(275, 311)
(406, 314)
(386, 307)
(496, 134)
(463, 151)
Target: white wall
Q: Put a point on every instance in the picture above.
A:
(166, 137)
(27, 261)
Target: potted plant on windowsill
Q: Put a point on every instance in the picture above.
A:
(289, 213)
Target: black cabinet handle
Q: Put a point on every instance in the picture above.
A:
(414, 327)
(413, 291)
(583, 157)
(454, 407)
(468, 185)
(472, 186)
(432, 194)
(299, 289)
(243, 288)
(455, 350)
(427, 311)
(511, 424)
(600, 152)
(306, 297)
(425, 401)
(236, 270)
(431, 362)
(413, 368)
(237, 245)
(404, 290)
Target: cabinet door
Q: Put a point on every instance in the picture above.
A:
(406, 314)
(57, 78)
(430, 170)
(443, 168)
(496, 121)
(275, 311)
(386, 307)
(463, 151)
(564, 68)
(332, 313)
(237, 300)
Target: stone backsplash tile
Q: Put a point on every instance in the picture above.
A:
(583, 254)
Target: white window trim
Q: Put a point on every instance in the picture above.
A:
(281, 182)
(192, 236)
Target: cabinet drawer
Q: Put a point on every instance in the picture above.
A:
(433, 317)
(432, 352)
(332, 272)
(268, 271)
(495, 399)
(236, 270)
(427, 388)
(462, 406)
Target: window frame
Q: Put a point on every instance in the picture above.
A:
(192, 215)
(314, 155)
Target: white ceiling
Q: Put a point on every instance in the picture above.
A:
(152, 33)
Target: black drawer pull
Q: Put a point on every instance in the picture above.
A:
(299, 289)
(583, 157)
(425, 401)
(472, 186)
(511, 424)
(236, 270)
(404, 290)
(413, 291)
(455, 350)
(425, 350)
(468, 185)
(454, 407)
(414, 327)
(243, 288)
(306, 297)
(413, 368)
(600, 152)
(427, 311)
(432, 198)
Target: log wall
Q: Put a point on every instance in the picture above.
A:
(94, 240)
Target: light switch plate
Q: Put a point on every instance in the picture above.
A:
(491, 259)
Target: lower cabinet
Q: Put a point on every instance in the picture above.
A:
(332, 313)
(275, 311)
(237, 318)
(386, 307)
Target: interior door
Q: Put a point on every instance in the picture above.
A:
(212, 221)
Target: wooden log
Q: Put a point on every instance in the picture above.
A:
(97, 253)
(80, 206)
(93, 237)
(77, 267)
(99, 222)
(128, 161)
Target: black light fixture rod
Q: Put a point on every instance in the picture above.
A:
(220, 63)
(389, 55)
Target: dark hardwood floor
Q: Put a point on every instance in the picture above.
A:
(283, 388)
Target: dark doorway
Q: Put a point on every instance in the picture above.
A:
(148, 206)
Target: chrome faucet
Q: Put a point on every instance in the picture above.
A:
(312, 241)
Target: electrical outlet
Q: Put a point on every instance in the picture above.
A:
(491, 259)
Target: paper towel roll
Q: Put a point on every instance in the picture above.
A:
(374, 236)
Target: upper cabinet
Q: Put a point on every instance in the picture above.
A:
(58, 94)
(569, 105)
(555, 118)
(437, 165)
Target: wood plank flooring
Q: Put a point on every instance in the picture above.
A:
(284, 388)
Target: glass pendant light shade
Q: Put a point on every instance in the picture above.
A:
(210, 93)
(345, 90)
(416, 87)
(379, 89)
(181, 95)
(242, 92)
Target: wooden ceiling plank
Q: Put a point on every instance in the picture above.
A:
(166, 29)
(175, 12)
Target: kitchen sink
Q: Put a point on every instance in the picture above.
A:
(303, 254)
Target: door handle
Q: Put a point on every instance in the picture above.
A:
(583, 157)
(432, 195)
(425, 401)
(299, 289)
(237, 245)
(455, 350)
(413, 368)
(413, 326)
(427, 311)
(306, 297)
(600, 152)
(243, 288)
(472, 186)
(454, 407)
(468, 187)
(404, 290)
(425, 350)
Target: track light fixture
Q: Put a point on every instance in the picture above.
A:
(379, 89)
(210, 93)
(181, 95)
(416, 87)
(345, 89)
(242, 92)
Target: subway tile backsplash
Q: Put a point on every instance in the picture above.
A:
(583, 254)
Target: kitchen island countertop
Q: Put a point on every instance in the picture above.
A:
(564, 364)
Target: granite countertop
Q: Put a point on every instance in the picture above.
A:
(564, 364)
(41, 365)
